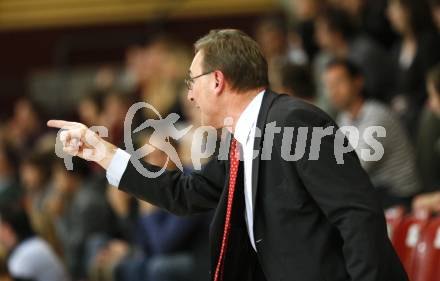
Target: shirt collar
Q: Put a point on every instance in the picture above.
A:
(248, 119)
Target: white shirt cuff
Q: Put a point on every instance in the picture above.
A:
(117, 167)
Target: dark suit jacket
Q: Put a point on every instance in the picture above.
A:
(314, 220)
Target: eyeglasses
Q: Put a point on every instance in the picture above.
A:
(190, 80)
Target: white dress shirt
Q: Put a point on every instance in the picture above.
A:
(244, 134)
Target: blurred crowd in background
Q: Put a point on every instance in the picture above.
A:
(366, 63)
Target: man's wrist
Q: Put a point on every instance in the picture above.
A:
(110, 151)
(116, 167)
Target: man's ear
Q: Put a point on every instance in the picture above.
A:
(219, 82)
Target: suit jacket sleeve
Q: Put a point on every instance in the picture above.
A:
(178, 193)
(346, 196)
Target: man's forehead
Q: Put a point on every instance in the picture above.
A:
(196, 63)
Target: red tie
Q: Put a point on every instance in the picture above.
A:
(234, 155)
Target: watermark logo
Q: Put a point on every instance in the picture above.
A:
(163, 129)
(292, 143)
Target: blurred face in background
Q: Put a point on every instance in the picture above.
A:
(31, 177)
(64, 181)
(105, 77)
(4, 165)
(7, 236)
(88, 112)
(325, 37)
(436, 15)
(342, 89)
(272, 41)
(6, 169)
(352, 7)
(133, 65)
(434, 98)
(304, 9)
(398, 15)
(25, 116)
(114, 110)
(152, 58)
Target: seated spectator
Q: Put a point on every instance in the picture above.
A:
(35, 176)
(30, 258)
(429, 147)
(90, 108)
(297, 81)
(24, 127)
(413, 55)
(10, 190)
(271, 35)
(165, 66)
(435, 9)
(304, 14)
(369, 17)
(394, 175)
(337, 38)
(79, 211)
(114, 108)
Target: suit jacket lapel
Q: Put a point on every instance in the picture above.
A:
(268, 99)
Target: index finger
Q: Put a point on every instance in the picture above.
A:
(61, 124)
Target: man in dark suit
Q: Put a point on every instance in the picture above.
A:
(277, 216)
